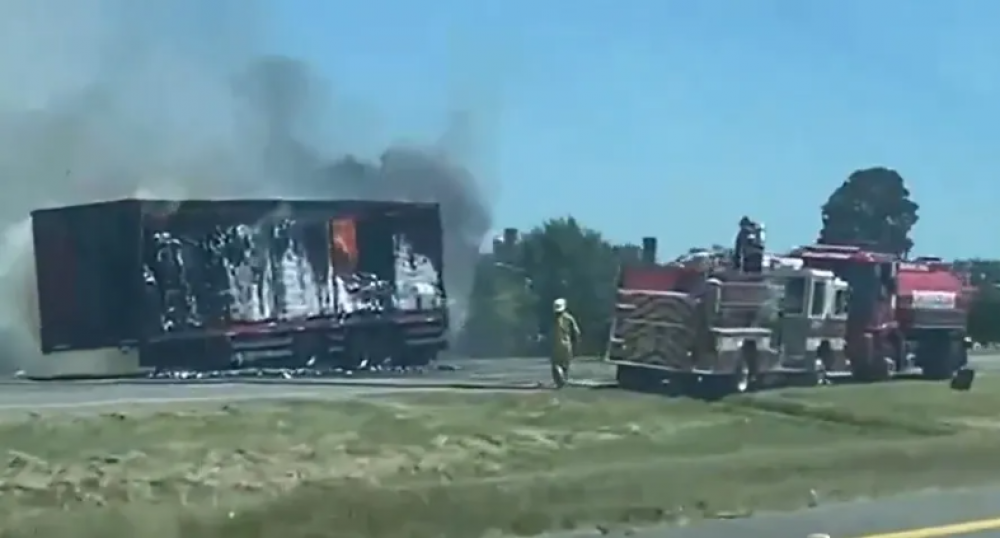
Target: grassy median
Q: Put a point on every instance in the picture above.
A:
(462, 465)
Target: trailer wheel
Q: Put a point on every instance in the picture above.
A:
(362, 350)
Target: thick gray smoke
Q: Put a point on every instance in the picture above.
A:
(179, 98)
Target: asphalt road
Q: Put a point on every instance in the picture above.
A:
(986, 362)
(974, 512)
(502, 374)
(494, 374)
(82, 396)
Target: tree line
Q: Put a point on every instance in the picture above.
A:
(515, 284)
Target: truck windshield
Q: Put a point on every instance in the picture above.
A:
(818, 307)
(794, 300)
(840, 302)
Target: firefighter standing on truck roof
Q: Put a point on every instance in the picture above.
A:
(565, 333)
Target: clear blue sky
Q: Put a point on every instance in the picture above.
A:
(674, 118)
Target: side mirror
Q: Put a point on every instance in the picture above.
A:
(967, 342)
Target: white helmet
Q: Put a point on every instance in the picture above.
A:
(559, 305)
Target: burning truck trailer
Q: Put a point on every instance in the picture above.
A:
(919, 315)
(136, 285)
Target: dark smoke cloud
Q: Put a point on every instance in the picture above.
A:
(179, 98)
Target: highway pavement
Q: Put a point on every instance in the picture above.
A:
(930, 514)
(985, 362)
(83, 395)
(498, 374)
(468, 374)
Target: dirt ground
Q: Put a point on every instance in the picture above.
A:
(469, 464)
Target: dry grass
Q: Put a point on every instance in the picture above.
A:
(438, 464)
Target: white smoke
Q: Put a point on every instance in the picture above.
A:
(109, 98)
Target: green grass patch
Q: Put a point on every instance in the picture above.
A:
(446, 464)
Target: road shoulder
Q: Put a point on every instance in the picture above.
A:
(896, 516)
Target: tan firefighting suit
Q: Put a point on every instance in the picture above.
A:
(565, 333)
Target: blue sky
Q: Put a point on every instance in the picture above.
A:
(674, 118)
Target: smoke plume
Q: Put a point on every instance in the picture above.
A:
(108, 98)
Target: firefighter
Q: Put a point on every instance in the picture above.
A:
(748, 253)
(565, 334)
(746, 226)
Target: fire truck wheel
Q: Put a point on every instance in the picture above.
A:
(740, 381)
(937, 371)
(742, 378)
(879, 370)
(942, 361)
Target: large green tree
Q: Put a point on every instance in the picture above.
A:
(984, 312)
(510, 310)
(871, 208)
(984, 315)
(983, 272)
(564, 259)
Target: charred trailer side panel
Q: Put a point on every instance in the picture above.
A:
(291, 283)
(205, 284)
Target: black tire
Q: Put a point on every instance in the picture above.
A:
(824, 362)
(942, 361)
(880, 370)
(741, 380)
(744, 377)
(963, 378)
(880, 367)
